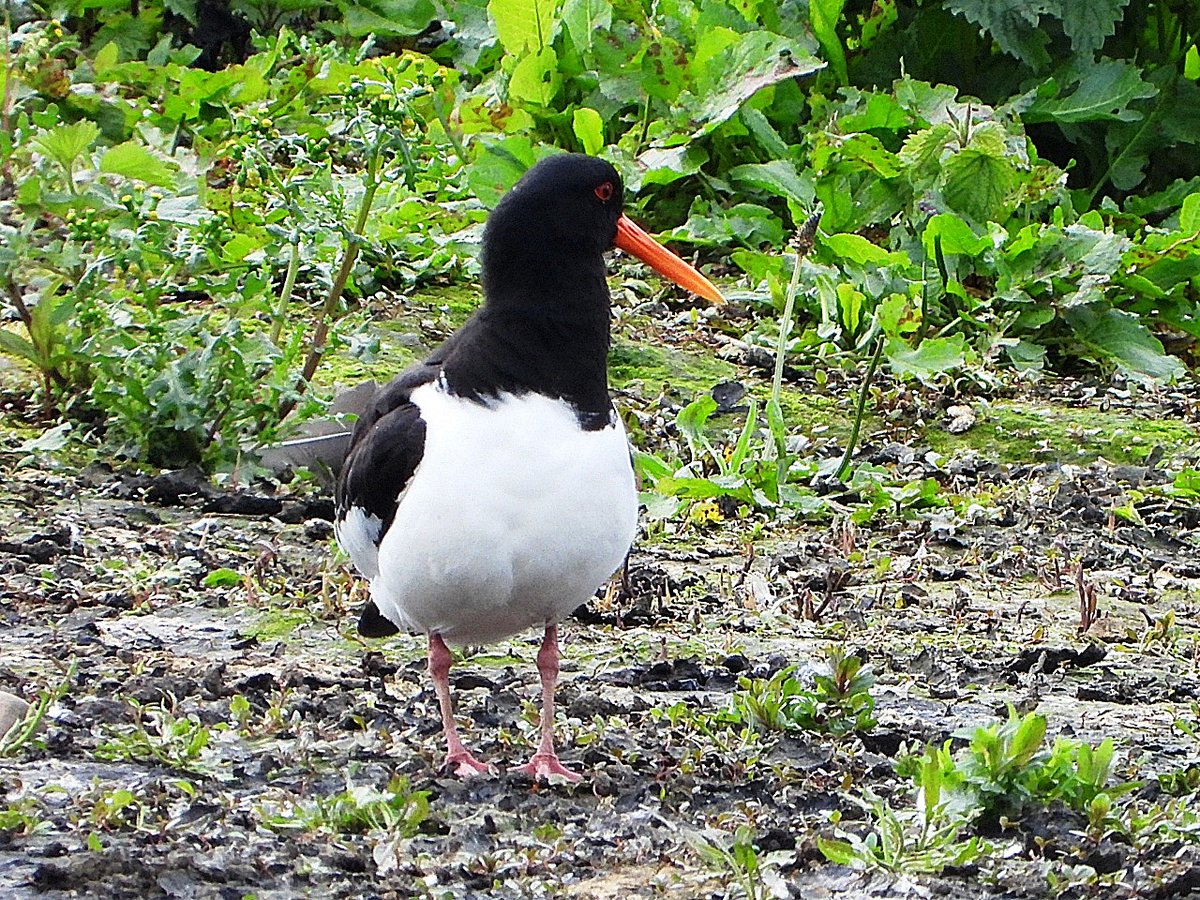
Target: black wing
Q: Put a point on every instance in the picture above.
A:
(385, 450)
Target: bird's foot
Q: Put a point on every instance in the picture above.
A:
(546, 766)
(464, 765)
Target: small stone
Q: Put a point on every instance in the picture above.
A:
(12, 712)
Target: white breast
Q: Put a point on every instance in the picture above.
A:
(513, 518)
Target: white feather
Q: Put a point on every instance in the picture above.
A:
(514, 518)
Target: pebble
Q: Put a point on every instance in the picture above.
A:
(12, 711)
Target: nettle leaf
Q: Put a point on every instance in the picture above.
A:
(1012, 23)
(1105, 90)
(66, 143)
(1089, 24)
(524, 25)
(979, 184)
(1121, 337)
(134, 161)
(923, 150)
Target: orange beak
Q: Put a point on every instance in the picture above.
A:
(632, 239)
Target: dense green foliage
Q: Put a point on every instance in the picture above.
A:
(193, 196)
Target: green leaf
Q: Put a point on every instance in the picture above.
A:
(106, 57)
(1012, 23)
(824, 16)
(764, 133)
(1189, 214)
(838, 852)
(134, 161)
(860, 251)
(66, 143)
(740, 70)
(498, 167)
(15, 345)
(1089, 24)
(931, 357)
(955, 235)
(778, 177)
(1120, 336)
(222, 578)
(923, 150)
(585, 19)
(692, 419)
(389, 18)
(524, 25)
(1104, 93)
(589, 128)
(979, 184)
(536, 78)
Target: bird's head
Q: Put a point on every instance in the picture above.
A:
(568, 207)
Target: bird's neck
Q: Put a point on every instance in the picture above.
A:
(543, 330)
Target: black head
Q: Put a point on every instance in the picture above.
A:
(565, 206)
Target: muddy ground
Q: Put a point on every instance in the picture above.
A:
(222, 729)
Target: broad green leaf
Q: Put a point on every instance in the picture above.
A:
(524, 25)
(923, 150)
(979, 185)
(1028, 738)
(239, 247)
(955, 236)
(1012, 23)
(106, 57)
(742, 69)
(499, 166)
(134, 161)
(536, 78)
(931, 357)
(860, 251)
(585, 20)
(664, 166)
(778, 177)
(589, 128)
(1120, 336)
(388, 18)
(1105, 90)
(1189, 214)
(66, 143)
(1088, 24)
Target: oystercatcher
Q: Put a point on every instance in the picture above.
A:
(489, 489)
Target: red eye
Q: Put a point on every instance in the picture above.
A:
(604, 191)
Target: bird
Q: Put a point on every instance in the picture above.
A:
(489, 489)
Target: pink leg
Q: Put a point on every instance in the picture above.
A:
(545, 761)
(458, 757)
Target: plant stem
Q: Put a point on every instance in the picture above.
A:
(803, 243)
(334, 298)
(852, 443)
(285, 295)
